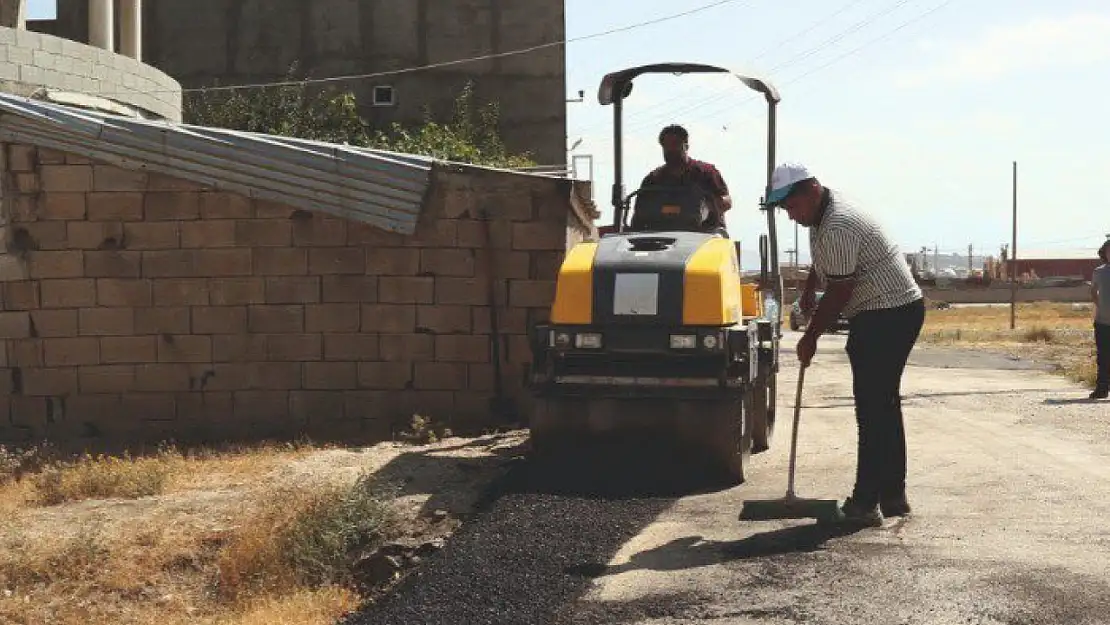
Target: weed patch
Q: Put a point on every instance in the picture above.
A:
(305, 539)
(103, 477)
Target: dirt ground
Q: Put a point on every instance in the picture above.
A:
(1009, 478)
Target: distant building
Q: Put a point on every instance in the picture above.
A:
(1074, 268)
(204, 42)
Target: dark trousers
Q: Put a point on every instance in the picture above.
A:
(1102, 348)
(879, 344)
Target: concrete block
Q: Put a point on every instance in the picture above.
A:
(49, 382)
(219, 320)
(447, 262)
(461, 291)
(15, 325)
(163, 320)
(223, 262)
(407, 347)
(240, 348)
(392, 261)
(169, 263)
(110, 178)
(531, 293)
(330, 376)
(265, 406)
(438, 376)
(163, 378)
(116, 292)
(93, 235)
(54, 323)
(171, 205)
(180, 292)
(295, 347)
(538, 236)
(69, 352)
(62, 206)
(333, 318)
(47, 235)
(79, 293)
(66, 178)
(22, 295)
(56, 264)
(274, 319)
(462, 348)
(208, 233)
(351, 347)
(280, 261)
(350, 289)
(397, 290)
(115, 206)
(106, 321)
(236, 291)
(25, 353)
(293, 290)
(320, 232)
(224, 205)
(337, 261)
(113, 264)
(385, 376)
(444, 319)
(263, 233)
(185, 348)
(106, 379)
(153, 235)
(128, 349)
(389, 318)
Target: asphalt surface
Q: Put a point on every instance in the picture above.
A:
(1009, 477)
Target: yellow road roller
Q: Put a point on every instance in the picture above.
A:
(653, 330)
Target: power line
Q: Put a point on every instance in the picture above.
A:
(793, 60)
(484, 57)
(728, 90)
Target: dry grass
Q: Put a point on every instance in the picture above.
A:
(79, 545)
(1059, 334)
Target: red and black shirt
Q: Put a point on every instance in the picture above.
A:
(693, 172)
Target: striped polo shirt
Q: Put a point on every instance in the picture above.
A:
(850, 244)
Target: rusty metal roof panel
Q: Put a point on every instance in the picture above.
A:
(383, 189)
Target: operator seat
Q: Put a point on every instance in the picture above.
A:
(678, 208)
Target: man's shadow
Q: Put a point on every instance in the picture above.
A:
(1073, 401)
(694, 552)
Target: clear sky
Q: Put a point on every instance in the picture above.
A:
(915, 112)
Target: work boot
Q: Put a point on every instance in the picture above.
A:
(852, 513)
(1099, 394)
(895, 506)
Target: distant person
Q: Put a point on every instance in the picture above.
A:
(678, 169)
(1100, 293)
(869, 281)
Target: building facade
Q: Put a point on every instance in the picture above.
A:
(252, 41)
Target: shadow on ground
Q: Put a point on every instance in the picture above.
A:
(695, 552)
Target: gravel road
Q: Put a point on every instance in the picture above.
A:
(1009, 476)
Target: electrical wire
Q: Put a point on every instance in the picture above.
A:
(484, 57)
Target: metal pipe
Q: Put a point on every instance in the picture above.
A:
(772, 232)
(102, 24)
(618, 169)
(1013, 258)
(131, 28)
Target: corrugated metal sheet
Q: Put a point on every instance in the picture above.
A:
(382, 189)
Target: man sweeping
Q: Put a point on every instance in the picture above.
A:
(868, 279)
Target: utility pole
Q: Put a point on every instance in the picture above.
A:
(1013, 257)
(970, 258)
(936, 259)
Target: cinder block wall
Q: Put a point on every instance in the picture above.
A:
(138, 307)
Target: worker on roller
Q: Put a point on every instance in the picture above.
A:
(678, 169)
(868, 280)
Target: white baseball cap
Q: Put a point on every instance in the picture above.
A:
(783, 180)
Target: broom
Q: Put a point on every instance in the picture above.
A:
(791, 506)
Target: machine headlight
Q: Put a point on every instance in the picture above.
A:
(587, 341)
(560, 339)
(683, 341)
(710, 341)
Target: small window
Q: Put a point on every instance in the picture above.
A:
(384, 96)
